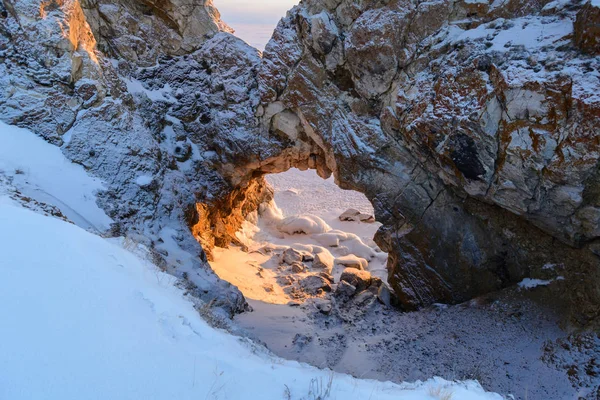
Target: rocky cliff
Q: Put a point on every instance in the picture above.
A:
(473, 127)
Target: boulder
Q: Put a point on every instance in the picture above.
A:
(324, 306)
(291, 256)
(298, 267)
(349, 215)
(384, 295)
(357, 278)
(354, 215)
(323, 261)
(345, 290)
(364, 298)
(314, 284)
(327, 276)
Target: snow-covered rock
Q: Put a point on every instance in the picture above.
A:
(352, 261)
(357, 278)
(472, 127)
(323, 261)
(303, 224)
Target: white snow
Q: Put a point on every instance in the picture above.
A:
(135, 86)
(350, 260)
(529, 283)
(144, 180)
(305, 217)
(530, 32)
(303, 224)
(83, 318)
(39, 170)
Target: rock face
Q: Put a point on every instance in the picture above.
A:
(478, 152)
(144, 31)
(131, 126)
(587, 28)
(473, 127)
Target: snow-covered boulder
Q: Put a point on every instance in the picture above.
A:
(303, 224)
(352, 261)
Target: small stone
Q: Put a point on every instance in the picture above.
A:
(366, 218)
(364, 297)
(268, 288)
(307, 257)
(354, 215)
(302, 340)
(384, 295)
(324, 307)
(327, 276)
(349, 215)
(298, 268)
(291, 256)
(285, 280)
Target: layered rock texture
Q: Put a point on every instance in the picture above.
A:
(473, 127)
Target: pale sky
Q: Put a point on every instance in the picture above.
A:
(260, 12)
(254, 21)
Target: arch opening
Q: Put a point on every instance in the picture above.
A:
(293, 238)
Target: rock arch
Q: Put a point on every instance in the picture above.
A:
(479, 156)
(466, 165)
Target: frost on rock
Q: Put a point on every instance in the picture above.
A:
(471, 126)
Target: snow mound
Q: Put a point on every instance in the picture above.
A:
(88, 319)
(303, 224)
(352, 261)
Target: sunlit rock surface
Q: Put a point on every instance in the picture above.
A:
(473, 128)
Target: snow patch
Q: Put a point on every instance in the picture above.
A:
(39, 170)
(144, 180)
(529, 283)
(306, 224)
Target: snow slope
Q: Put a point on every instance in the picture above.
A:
(39, 170)
(85, 318)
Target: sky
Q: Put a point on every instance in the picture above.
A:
(254, 21)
